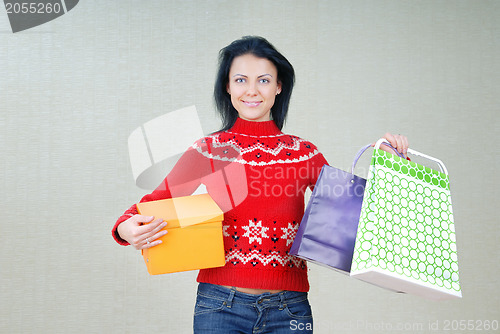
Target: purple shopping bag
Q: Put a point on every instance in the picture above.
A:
(327, 232)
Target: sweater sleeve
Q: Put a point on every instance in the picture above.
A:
(316, 164)
(183, 180)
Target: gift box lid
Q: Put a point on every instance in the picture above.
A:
(183, 211)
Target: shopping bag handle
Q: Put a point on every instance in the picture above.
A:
(416, 153)
(364, 148)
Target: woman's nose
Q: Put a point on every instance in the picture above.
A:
(252, 89)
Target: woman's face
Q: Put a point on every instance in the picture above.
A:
(253, 86)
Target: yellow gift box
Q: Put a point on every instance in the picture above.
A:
(194, 238)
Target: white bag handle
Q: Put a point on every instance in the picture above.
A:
(364, 148)
(413, 152)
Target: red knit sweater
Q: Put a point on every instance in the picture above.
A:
(258, 176)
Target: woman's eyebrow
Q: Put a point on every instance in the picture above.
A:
(242, 75)
(260, 76)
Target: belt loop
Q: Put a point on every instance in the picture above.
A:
(282, 300)
(229, 301)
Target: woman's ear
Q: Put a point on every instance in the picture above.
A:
(228, 90)
(278, 89)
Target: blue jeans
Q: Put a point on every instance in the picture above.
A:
(227, 311)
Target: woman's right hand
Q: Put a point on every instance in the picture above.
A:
(142, 231)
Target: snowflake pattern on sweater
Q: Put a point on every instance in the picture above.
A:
(254, 234)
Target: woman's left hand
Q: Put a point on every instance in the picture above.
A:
(399, 142)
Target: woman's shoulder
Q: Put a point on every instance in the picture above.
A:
(305, 147)
(208, 139)
(304, 143)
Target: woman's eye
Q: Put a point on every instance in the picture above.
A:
(264, 80)
(239, 80)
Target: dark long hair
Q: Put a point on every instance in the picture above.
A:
(260, 48)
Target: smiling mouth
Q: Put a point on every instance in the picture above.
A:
(252, 103)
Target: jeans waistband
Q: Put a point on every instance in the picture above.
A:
(234, 296)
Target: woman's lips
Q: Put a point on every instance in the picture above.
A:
(252, 103)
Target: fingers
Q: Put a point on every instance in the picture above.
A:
(150, 225)
(399, 142)
(152, 235)
(140, 220)
(154, 239)
(390, 138)
(143, 232)
(149, 234)
(406, 145)
(402, 144)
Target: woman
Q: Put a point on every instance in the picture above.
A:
(261, 288)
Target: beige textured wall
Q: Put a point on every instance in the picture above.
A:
(72, 90)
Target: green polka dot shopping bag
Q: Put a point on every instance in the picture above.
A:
(406, 236)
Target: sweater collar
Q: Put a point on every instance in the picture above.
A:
(265, 128)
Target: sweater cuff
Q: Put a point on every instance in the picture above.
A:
(115, 233)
